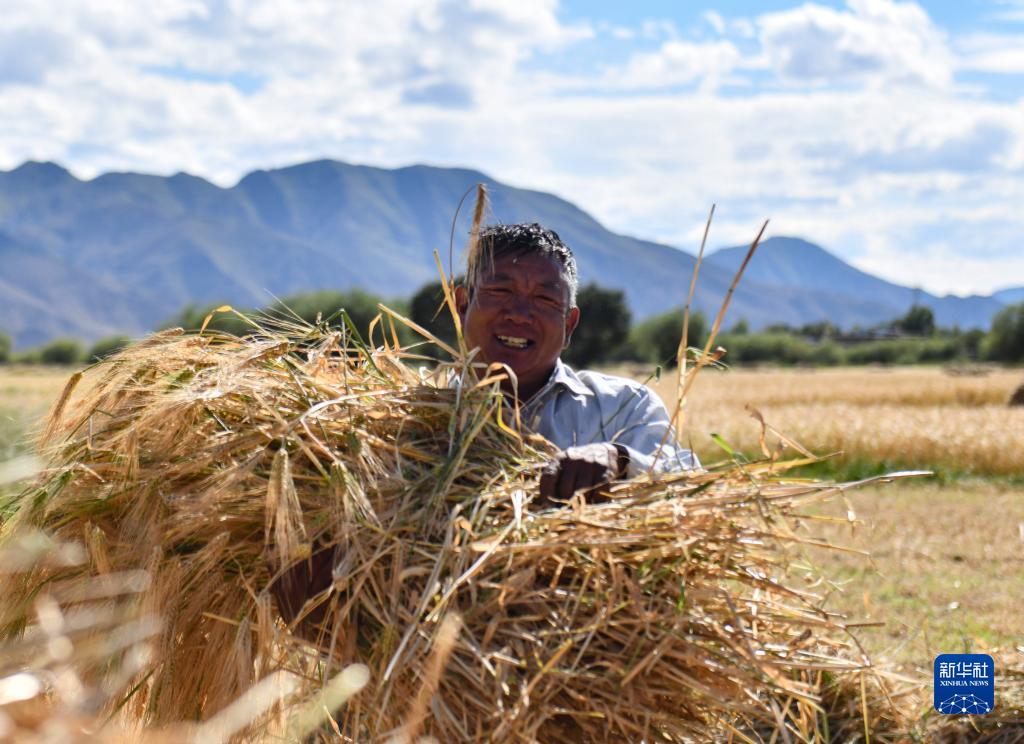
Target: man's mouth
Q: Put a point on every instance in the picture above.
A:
(513, 342)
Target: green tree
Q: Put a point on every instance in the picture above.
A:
(5, 348)
(938, 349)
(428, 309)
(106, 347)
(826, 354)
(603, 328)
(820, 330)
(62, 351)
(741, 327)
(919, 321)
(969, 343)
(757, 348)
(1005, 340)
(322, 306)
(904, 351)
(191, 318)
(29, 356)
(326, 305)
(657, 339)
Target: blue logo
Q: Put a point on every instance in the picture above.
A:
(965, 684)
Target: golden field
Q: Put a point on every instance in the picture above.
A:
(26, 393)
(945, 573)
(896, 417)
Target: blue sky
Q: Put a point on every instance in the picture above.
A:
(891, 132)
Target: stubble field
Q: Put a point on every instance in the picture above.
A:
(946, 571)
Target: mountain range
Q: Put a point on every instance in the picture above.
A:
(125, 251)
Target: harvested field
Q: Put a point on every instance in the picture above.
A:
(945, 573)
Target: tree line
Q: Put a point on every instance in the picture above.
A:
(607, 334)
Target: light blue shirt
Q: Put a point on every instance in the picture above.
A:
(576, 408)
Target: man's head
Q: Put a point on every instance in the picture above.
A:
(519, 306)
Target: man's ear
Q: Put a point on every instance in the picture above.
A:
(461, 300)
(572, 319)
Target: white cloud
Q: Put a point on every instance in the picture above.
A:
(676, 63)
(715, 20)
(754, 156)
(324, 78)
(875, 40)
(657, 28)
(27, 55)
(1014, 12)
(944, 268)
(742, 28)
(998, 53)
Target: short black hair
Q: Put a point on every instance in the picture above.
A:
(527, 238)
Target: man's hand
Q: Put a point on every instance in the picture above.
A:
(588, 467)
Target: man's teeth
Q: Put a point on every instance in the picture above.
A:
(515, 341)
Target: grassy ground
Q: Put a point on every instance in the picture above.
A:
(945, 574)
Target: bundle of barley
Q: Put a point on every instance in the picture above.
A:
(217, 464)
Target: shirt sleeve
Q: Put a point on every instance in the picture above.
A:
(641, 428)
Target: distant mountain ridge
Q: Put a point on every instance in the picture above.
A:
(125, 251)
(1010, 296)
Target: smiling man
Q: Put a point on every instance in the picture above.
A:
(520, 310)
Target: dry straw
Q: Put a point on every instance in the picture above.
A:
(215, 463)
(681, 609)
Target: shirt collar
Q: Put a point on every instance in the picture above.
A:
(562, 375)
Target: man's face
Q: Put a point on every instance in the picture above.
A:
(519, 315)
